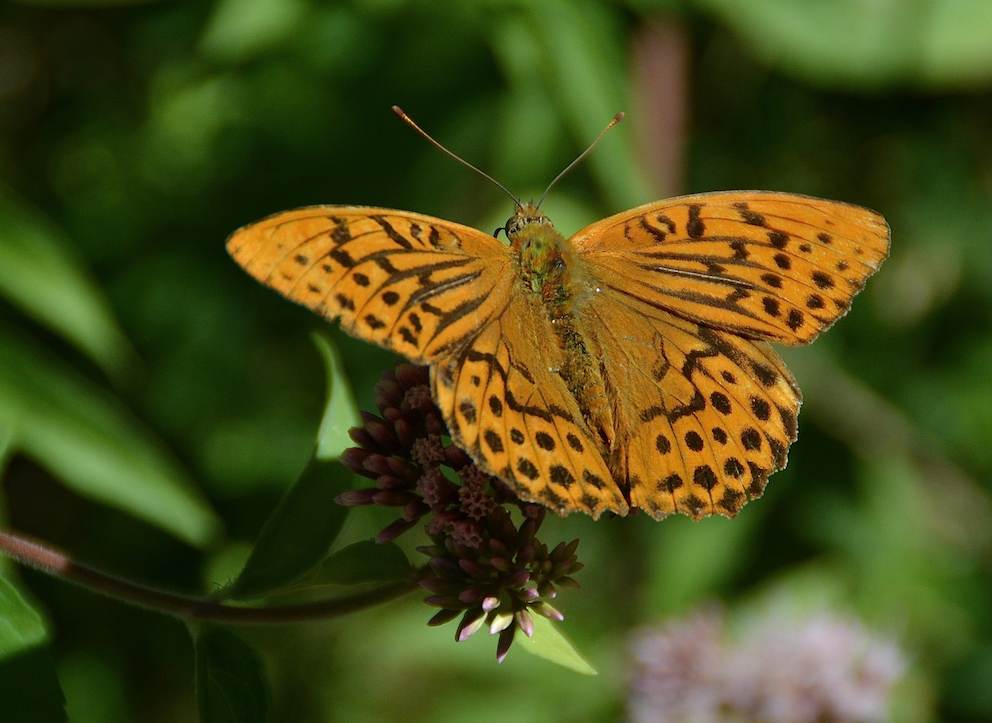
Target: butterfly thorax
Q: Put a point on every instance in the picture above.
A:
(549, 270)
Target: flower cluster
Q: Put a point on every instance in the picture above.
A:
(484, 566)
(821, 668)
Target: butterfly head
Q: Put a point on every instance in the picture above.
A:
(527, 216)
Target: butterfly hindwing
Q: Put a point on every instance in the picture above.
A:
(505, 405)
(772, 266)
(703, 416)
(412, 283)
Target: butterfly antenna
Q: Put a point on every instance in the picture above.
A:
(410, 122)
(613, 122)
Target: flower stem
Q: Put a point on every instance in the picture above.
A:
(57, 564)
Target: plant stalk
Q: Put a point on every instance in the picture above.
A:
(189, 608)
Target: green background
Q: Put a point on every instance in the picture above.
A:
(155, 403)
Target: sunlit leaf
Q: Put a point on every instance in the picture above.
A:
(230, 681)
(365, 561)
(240, 29)
(340, 412)
(38, 274)
(29, 688)
(89, 441)
(298, 534)
(551, 644)
(860, 43)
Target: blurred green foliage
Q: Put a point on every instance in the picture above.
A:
(149, 389)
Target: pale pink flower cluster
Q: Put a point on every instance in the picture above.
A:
(780, 669)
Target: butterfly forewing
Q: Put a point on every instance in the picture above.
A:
(415, 284)
(764, 265)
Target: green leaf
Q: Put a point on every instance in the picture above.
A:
(298, 534)
(340, 411)
(38, 274)
(365, 561)
(868, 44)
(29, 688)
(230, 680)
(241, 29)
(86, 438)
(551, 644)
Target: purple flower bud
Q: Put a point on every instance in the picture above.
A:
(456, 458)
(443, 616)
(415, 510)
(382, 433)
(543, 608)
(526, 553)
(450, 602)
(490, 603)
(406, 433)
(362, 438)
(500, 563)
(526, 534)
(500, 622)
(393, 498)
(474, 569)
(401, 468)
(518, 578)
(505, 641)
(354, 498)
(529, 594)
(470, 624)
(394, 530)
(471, 595)
(354, 458)
(436, 584)
(525, 622)
(377, 463)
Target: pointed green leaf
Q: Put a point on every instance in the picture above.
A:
(86, 438)
(551, 644)
(29, 688)
(365, 561)
(340, 411)
(298, 534)
(230, 680)
(38, 274)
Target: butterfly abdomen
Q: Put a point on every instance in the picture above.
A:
(549, 271)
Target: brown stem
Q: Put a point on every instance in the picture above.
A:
(61, 566)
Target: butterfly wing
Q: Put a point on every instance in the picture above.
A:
(688, 292)
(507, 406)
(443, 293)
(772, 266)
(703, 416)
(418, 285)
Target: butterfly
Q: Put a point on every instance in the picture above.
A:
(628, 366)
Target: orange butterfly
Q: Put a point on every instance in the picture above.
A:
(627, 366)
